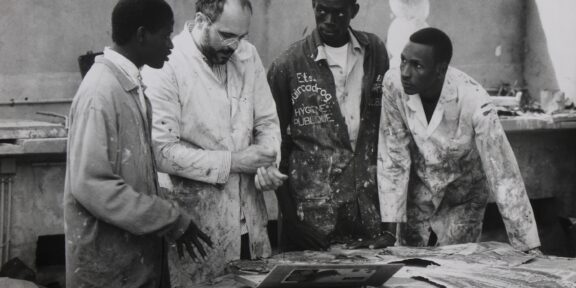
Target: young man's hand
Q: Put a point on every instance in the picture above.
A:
(270, 178)
(534, 252)
(386, 239)
(193, 237)
(389, 227)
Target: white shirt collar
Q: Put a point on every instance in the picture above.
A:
(127, 66)
(355, 47)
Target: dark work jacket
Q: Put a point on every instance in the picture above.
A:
(333, 186)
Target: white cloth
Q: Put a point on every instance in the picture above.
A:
(337, 56)
(130, 69)
(451, 163)
(198, 121)
(348, 80)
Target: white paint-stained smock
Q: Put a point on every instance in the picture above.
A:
(438, 176)
(198, 121)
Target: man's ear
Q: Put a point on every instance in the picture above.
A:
(199, 19)
(441, 69)
(140, 35)
(355, 10)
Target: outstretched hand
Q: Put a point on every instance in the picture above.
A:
(535, 252)
(385, 240)
(267, 179)
(193, 237)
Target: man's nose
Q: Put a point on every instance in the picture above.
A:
(329, 18)
(234, 45)
(405, 71)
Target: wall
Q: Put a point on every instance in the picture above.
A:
(477, 28)
(41, 40)
(550, 62)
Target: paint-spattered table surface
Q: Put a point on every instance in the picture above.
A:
(535, 122)
(22, 137)
(27, 129)
(489, 264)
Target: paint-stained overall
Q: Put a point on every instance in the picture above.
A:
(197, 124)
(114, 220)
(439, 175)
(334, 186)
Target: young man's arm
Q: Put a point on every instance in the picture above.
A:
(279, 84)
(266, 122)
(101, 191)
(266, 128)
(504, 178)
(298, 233)
(394, 160)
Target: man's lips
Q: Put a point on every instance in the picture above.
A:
(407, 85)
(328, 30)
(408, 88)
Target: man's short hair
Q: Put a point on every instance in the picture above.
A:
(213, 8)
(438, 40)
(351, 1)
(129, 15)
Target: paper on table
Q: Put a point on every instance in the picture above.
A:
(552, 101)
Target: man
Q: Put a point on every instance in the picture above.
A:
(215, 125)
(115, 221)
(442, 150)
(327, 90)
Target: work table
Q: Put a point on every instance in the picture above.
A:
(19, 137)
(539, 122)
(488, 264)
(25, 137)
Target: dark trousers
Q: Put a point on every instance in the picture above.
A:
(245, 247)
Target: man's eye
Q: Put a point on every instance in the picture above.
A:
(320, 11)
(419, 67)
(341, 14)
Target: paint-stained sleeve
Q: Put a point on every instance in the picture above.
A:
(278, 79)
(100, 190)
(279, 85)
(504, 178)
(174, 155)
(393, 155)
(266, 123)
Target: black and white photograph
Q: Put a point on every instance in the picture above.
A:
(205, 143)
